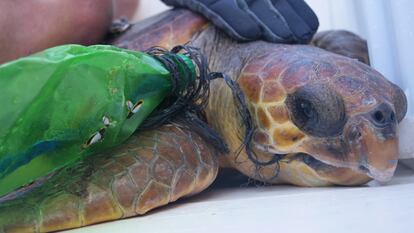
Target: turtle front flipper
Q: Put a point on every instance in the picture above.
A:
(343, 43)
(150, 170)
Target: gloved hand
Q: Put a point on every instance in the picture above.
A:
(280, 21)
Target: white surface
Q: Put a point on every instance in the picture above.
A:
(281, 209)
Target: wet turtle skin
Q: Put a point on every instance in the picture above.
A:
(331, 119)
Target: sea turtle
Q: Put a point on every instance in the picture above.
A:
(317, 119)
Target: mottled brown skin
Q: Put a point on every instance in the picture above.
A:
(157, 167)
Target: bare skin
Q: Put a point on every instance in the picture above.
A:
(31, 26)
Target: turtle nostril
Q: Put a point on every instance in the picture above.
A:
(379, 117)
(383, 115)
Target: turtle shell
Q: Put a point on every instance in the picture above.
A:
(168, 29)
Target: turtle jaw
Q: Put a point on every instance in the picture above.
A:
(363, 147)
(363, 150)
(313, 172)
(306, 169)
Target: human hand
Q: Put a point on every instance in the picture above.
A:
(280, 21)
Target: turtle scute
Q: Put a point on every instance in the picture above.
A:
(330, 100)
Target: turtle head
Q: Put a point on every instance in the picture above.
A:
(329, 119)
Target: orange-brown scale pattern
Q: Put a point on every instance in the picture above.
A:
(269, 77)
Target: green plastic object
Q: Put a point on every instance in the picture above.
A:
(72, 101)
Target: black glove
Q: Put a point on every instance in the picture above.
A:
(280, 21)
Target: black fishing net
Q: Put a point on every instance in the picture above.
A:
(185, 106)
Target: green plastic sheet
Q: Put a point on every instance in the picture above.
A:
(72, 101)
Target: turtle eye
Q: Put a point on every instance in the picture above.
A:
(317, 110)
(306, 110)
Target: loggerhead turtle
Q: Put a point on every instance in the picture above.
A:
(317, 119)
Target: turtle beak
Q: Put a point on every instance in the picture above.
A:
(373, 143)
(368, 145)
